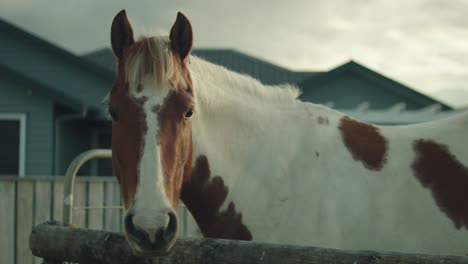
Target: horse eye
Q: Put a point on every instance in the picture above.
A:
(113, 114)
(189, 114)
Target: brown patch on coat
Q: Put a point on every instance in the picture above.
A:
(175, 139)
(141, 100)
(127, 136)
(139, 88)
(204, 195)
(323, 120)
(439, 170)
(156, 109)
(365, 143)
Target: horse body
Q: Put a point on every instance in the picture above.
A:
(292, 179)
(252, 162)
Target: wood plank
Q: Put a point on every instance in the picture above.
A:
(121, 212)
(7, 223)
(191, 227)
(42, 205)
(42, 202)
(24, 221)
(181, 214)
(91, 246)
(79, 198)
(96, 202)
(112, 215)
(58, 200)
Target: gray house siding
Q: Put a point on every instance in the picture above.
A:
(52, 71)
(350, 90)
(58, 69)
(73, 137)
(352, 84)
(17, 98)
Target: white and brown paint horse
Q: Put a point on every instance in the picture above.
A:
(252, 162)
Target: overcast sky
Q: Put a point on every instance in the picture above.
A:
(421, 43)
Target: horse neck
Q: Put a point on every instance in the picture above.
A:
(237, 123)
(234, 113)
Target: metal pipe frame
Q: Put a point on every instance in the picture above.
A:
(69, 182)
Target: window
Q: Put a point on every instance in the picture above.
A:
(102, 140)
(12, 142)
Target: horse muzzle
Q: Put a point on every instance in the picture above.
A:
(151, 241)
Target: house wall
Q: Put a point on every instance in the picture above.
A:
(73, 138)
(76, 135)
(349, 90)
(16, 97)
(52, 67)
(63, 79)
(61, 71)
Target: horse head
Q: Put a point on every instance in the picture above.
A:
(151, 103)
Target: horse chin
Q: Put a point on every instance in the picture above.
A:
(152, 252)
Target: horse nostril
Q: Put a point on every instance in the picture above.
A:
(150, 238)
(128, 222)
(130, 227)
(171, 229)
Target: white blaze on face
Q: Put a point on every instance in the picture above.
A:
(151, 204)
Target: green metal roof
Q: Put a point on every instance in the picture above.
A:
(68, 79)
(264, 71)
(59, 97)
(380, 81)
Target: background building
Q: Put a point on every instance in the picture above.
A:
(51, 100)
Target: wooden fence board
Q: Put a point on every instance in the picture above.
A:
(42, 205)
(7, 223)
(79, 200)
(96, 202)
(112, 216)
(24, 221)
(191, 226)
(32, 200)
(58, 200)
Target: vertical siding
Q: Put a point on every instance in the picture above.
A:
(15, 98)
(74, 137)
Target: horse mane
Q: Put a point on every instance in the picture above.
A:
(150, 59)
(236, 85)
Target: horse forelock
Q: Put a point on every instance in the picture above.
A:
(149, 62)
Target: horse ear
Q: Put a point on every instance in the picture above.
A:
(181, 36)
(121, 34)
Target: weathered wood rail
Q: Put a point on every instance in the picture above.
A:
(57, 244)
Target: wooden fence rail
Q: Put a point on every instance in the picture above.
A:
(29, 201)
(57, 244)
